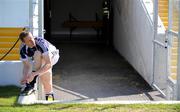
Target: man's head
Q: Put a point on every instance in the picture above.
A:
(27, 38)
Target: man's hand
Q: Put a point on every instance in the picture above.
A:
(30, 77)
(26, 68)
(23, 80)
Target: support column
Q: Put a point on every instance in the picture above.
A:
(41, 18)
(178, 66)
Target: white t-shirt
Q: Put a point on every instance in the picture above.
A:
(42, 45)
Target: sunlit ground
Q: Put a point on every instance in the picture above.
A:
(8, 97)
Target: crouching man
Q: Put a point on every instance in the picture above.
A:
(44, 55)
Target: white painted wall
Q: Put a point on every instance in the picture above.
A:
(133, 36)
(10, 72)
(14, 13)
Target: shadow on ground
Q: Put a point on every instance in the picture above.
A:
(97, 71)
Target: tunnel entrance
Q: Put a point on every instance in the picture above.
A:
(67, 21)
(90, 69)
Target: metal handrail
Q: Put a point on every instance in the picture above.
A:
(148, 15)
(174, 33)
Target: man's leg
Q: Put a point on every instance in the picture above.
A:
(46, 80)
(36, 65)
(47, 77)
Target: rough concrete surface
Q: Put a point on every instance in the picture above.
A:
(96, 72)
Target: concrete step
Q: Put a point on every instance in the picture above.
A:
(163, 2)
(164, 18)
(163, 14)
(173, 62)
(163, 10)
(175, 23)
(175, 39)
(165, 23)
(174, 50)
(163, 6)
(175, 17)
(175, 28)
(174, 56)
(173, 69)
(173, 76)
(175, 44)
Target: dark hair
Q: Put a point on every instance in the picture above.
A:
(23, 34)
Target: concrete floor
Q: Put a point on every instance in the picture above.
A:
(96, 72)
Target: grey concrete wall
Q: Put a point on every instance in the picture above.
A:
(133, 36)
(81, 9)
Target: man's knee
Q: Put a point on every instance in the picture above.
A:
(37, 60)
(46, 80)
(37, 54)
(46, 77)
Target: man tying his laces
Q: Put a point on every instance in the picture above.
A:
(44, 55)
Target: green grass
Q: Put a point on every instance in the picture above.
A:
(8, 98)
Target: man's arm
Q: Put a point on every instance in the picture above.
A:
(42, 70)
(46, 67)
(26, 69)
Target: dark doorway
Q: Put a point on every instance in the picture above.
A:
(47, 19)
(56, 13)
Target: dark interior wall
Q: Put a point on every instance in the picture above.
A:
(81, 9)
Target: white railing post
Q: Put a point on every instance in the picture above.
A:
(36, 24)
(155, 22)
(178, 66)
(31, 16)
(40, 34)
(40, 89)
(41, 18)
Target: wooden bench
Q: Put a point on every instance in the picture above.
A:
(73, 23)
